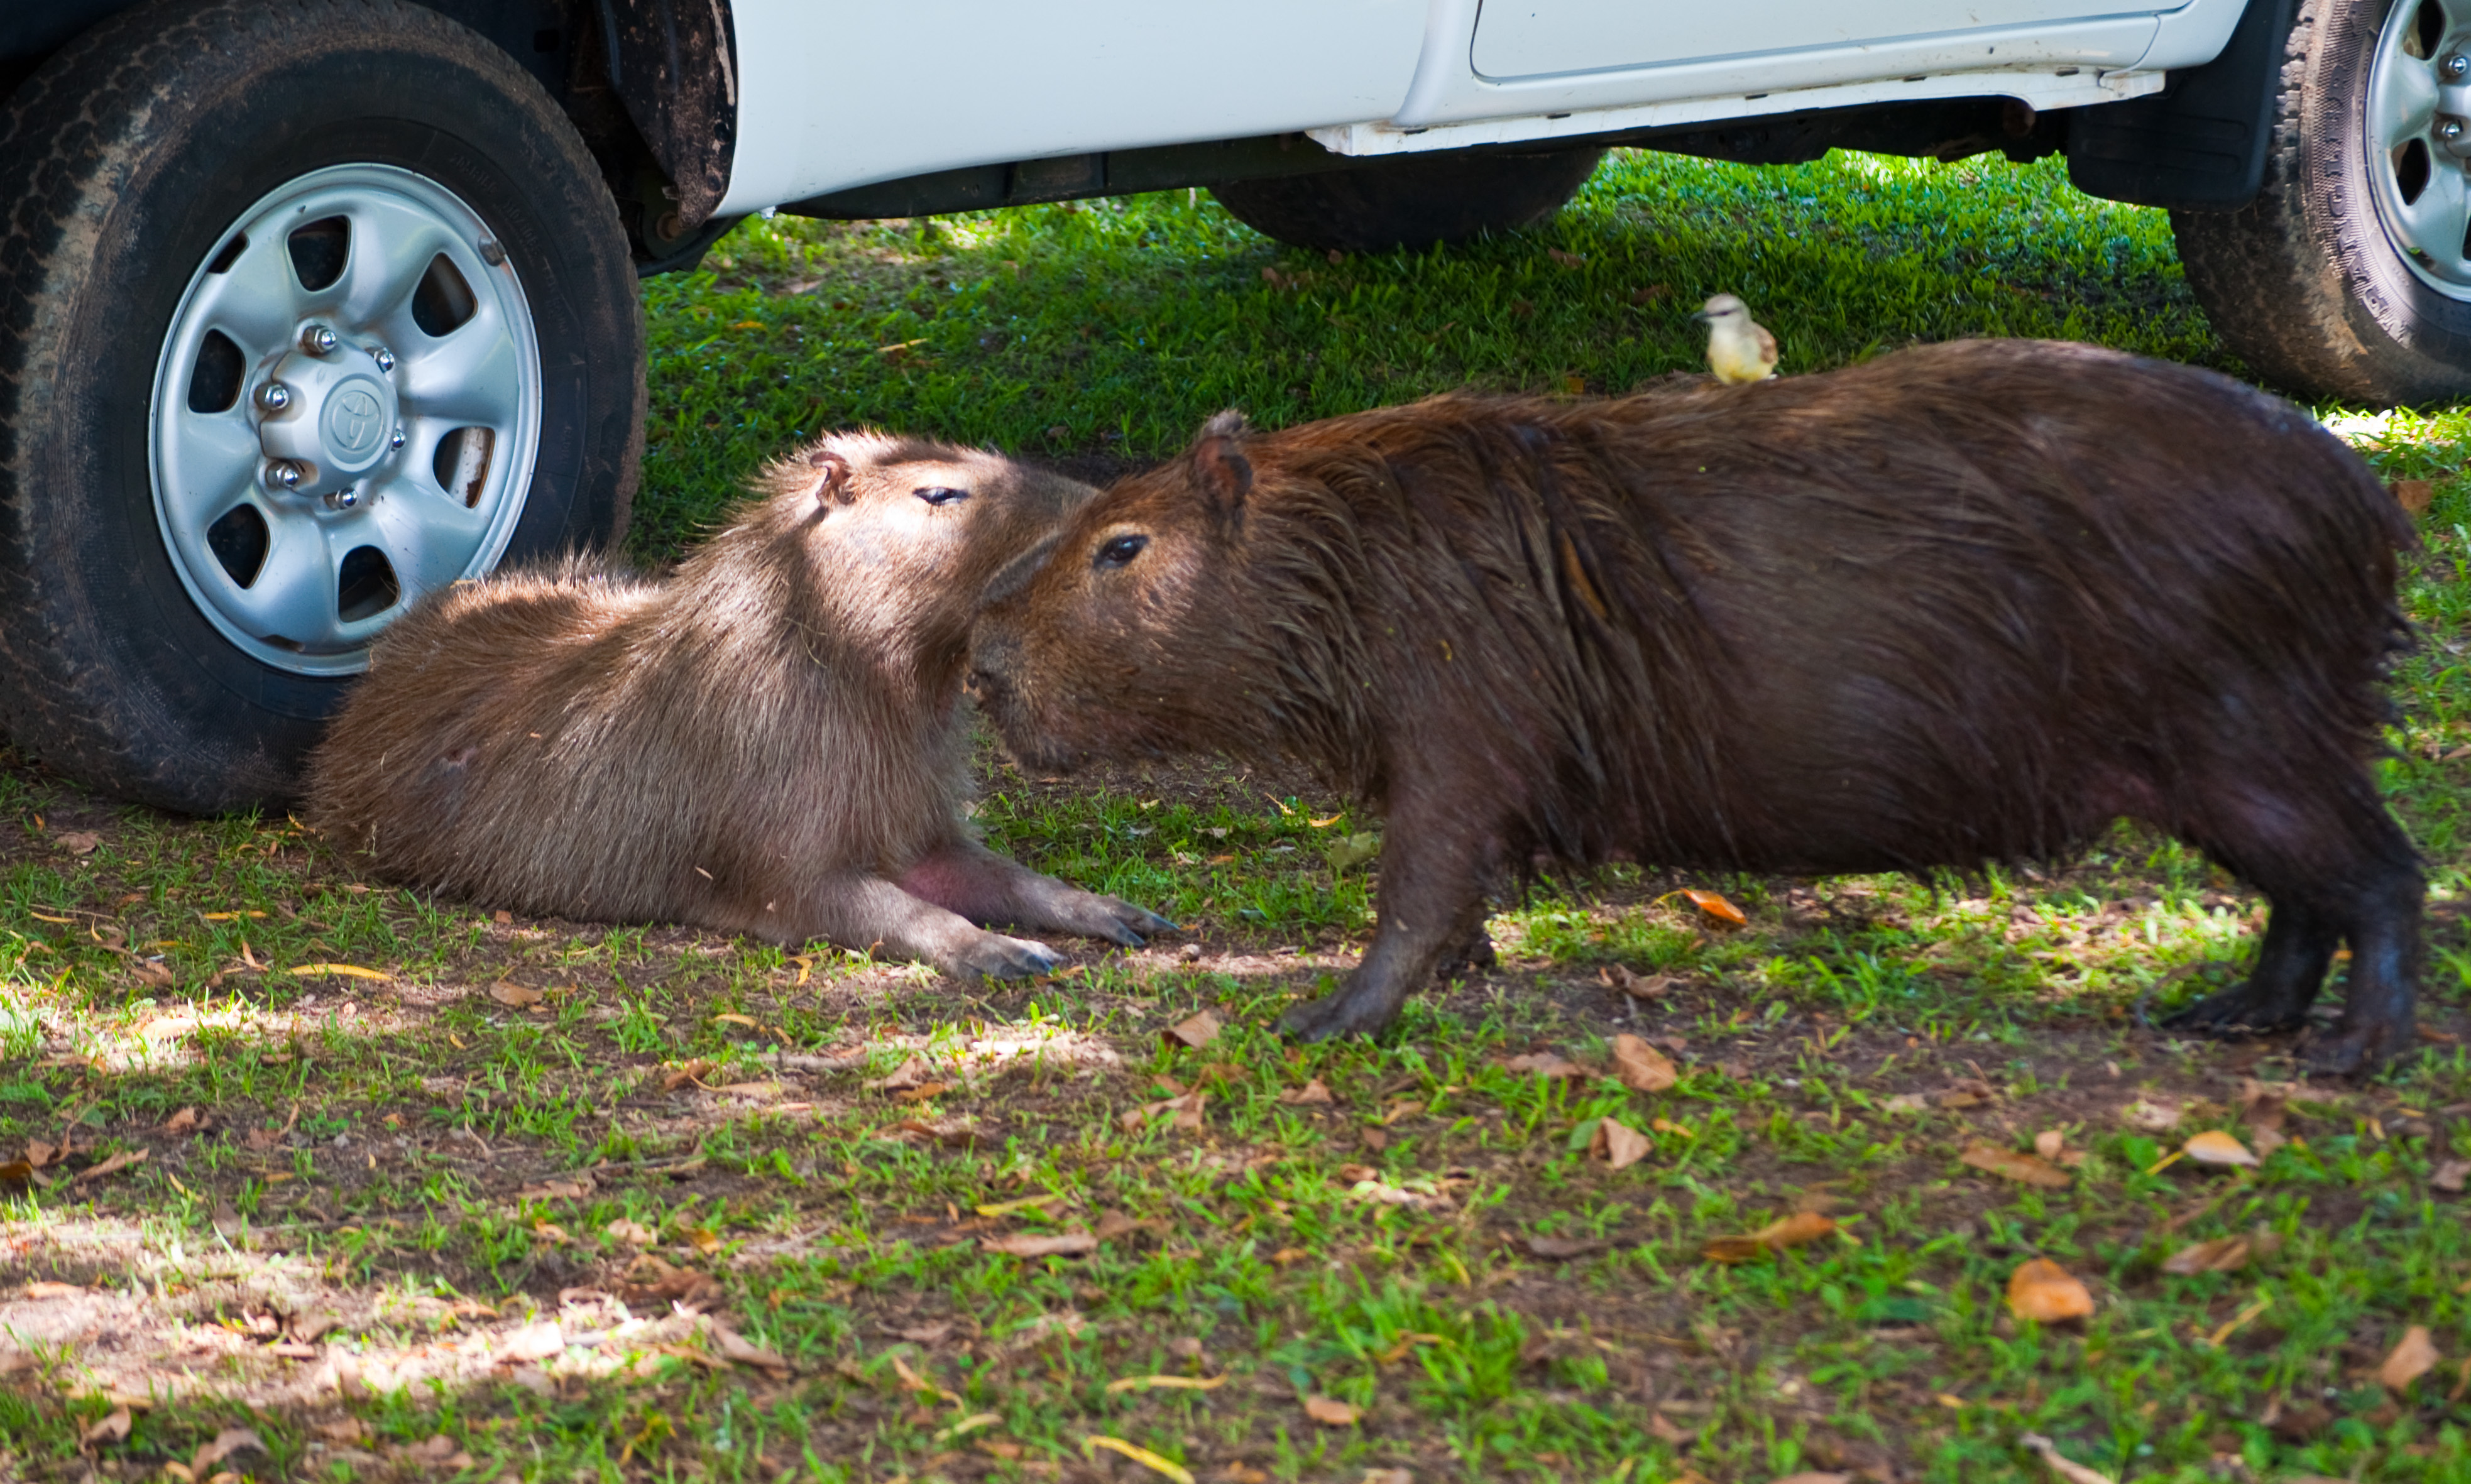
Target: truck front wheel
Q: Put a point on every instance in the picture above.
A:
(306, 308)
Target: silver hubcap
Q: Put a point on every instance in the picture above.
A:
(2419, 126)
(344, 415)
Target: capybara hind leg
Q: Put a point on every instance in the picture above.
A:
(2381, 991)
(868, 912)
(967, 878)
(2289, 969)
(1430, 903)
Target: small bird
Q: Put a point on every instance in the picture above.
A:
(1739, 349)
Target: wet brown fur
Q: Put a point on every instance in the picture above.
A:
(768, 741)
(1964, 604)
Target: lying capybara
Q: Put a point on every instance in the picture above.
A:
(1964, 604)
(769, 740)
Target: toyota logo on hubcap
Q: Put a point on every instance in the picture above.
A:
(355, 422)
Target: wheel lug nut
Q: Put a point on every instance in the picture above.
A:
(2449, 129)
(384, 357)
(2455, 67)
(396, 441)
(282, 474)
(343, 499)
(319, 341)
(273, 396)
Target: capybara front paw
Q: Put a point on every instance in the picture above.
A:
(1342, 1014)
(2242, 1010)
(995, 957)
(2354, 1047)
(1475, 956)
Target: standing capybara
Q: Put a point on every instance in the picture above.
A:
(769, 740)
(1964, 604)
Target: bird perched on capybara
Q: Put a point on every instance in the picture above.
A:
(1963, 604)
(769, 740)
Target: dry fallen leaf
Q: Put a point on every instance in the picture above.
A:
(1814, 1478)
(2150, 1116)
(910, 1074)
(739, 1349)
(1716, 906)
(45, 1289)
(1546, 1063)
(1639, 987)
(181, 1122)
(110, 1428)
(77, 842)
(1641, 1067)
(633, 1233)
(2410, 1358)
(1196, 1030)
(2223, 1254)
(1560, 1247)
(2071, 1472)
(1312, 1092)
(2449, 1175)
(118, 1162)
(2213, 1146)
(1799, 1229)
(555, 1191)
(515, 995)
(2414, 496)
(2050, 1144)
(1041, 1244)
(1165, 1383)
(685, 1072)
(1139, 1454)
(1332, 1413)
(2045, 1292)
(1618, 1145)
(2029, 1168)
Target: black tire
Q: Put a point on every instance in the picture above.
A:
(2305, 282)
(124, 161)
(1410, 201)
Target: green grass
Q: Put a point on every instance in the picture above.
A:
(396, 1174)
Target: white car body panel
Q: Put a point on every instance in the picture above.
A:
(834, 95)
(822, 107)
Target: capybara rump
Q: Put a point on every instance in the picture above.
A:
(1964, 604)
(769, 740)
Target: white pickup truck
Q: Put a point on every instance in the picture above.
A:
(310, 306)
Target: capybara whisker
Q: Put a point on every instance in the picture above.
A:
(770, 740)
(1963, 604)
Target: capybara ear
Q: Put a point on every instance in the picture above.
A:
(1219, 467)
(831, 478)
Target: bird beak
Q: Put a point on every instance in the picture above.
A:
(1702, 316)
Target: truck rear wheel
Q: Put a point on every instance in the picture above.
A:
(2349, 275)
(1410, 201)
(306, 308)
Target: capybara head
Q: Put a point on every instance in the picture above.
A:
(901, 535)
(1142, 624)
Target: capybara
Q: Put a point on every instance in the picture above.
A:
(1963, 604)
(769, 740)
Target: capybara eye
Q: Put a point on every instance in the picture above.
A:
(1121, 549)
(940, 494)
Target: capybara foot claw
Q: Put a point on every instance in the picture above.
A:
(995, 957)
(2242, 1010)
(2353, 1048)
(1128, 925)
(1332, 1016)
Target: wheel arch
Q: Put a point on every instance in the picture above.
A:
(651, 85)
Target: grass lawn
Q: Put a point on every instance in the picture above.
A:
(410, 1188)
